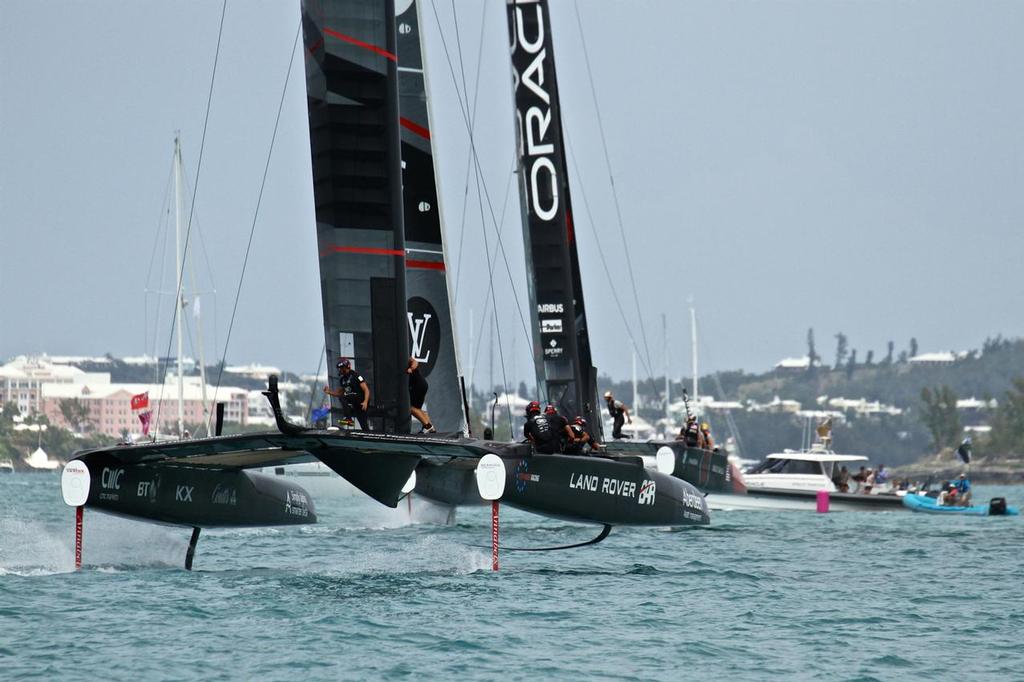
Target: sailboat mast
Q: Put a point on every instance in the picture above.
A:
(668, 399)
(197, 313)
(693, 344)
(179, 296)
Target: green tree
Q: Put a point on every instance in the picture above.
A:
(888, 356)
(841, 342)
(913, 347)
(812, 354)
(940, 417)
(851, 364)
(76, 414)
(1008, 422)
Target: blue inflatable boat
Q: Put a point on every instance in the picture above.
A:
(996, 507)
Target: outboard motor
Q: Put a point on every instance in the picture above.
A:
(997, 506)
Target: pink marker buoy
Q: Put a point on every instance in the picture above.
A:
(822, 501)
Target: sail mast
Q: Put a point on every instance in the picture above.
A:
(562, 358)
(179, 294)
(352, 100)
(693, 344)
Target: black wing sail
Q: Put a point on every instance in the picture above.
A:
(561, 343)
(352, 95)
(430, 322)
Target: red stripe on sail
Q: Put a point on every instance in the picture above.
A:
(366, 250)
(415, 128)
(360, 43)
(425, 264)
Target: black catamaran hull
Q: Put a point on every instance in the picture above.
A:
(708, 470)
(196, 497)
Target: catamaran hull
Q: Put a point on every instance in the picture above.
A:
(191, 496)
(801, 500)
(708, 470)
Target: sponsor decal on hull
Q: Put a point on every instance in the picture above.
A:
(110, 483)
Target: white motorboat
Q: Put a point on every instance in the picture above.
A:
(791, 480)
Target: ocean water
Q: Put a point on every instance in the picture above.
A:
(369, 593)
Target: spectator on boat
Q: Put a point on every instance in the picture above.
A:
(619, 413)
(353, 393)
(881, 476)
(869, 482)
(841, 479)
(561, 424)
(418, 387)
(952, 497)
(540, 431)
(581, 438)
(963, 489)
(859, 478)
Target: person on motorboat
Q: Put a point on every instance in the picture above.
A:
(841, 480)
(881, 476)
(869, 481)
(353, 393)
(963, 489)
(539, 430)
(859, 478)
(561, 424)
(581, 438)
(619, 413)
(418, 388)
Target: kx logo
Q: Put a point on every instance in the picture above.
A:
(183, 493)
(418, 329)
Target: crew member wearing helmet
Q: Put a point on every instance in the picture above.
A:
(565, 434)
(540, 430)
(705, 433)
(619, 413)
(353, 393)
(581, 438)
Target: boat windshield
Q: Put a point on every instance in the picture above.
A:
(786, 466)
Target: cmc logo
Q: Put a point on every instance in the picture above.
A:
(110, 479)
(424, 333)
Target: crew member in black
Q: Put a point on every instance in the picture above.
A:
(540, 431)
(691, 433)
(417, 394)
(565, 434)
(353, 393)
(619, 413)
(581, 438)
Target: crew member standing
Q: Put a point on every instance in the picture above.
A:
(353, 393)
(540, 430)
(417, 394)
(619, 413)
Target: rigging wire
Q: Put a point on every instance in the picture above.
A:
(160, 224)
(316, 379)
(256, 212)
(481, 184)
(611, 178)
(472, 125)
(604, 261)
(188, 231)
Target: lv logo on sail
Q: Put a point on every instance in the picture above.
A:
(418, 330)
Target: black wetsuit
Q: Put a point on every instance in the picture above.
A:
(417, 389)
(352, 398)
(577, 446)
(691, 435)
(618, 412)
(541, 430)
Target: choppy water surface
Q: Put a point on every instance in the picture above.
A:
(365, 594)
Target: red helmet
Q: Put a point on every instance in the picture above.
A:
(580, 421)
(532, 408)
(550, 409)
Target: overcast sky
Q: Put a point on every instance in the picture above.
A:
(847, 166)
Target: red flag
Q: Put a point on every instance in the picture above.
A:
(140, 401)
(144, 418)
